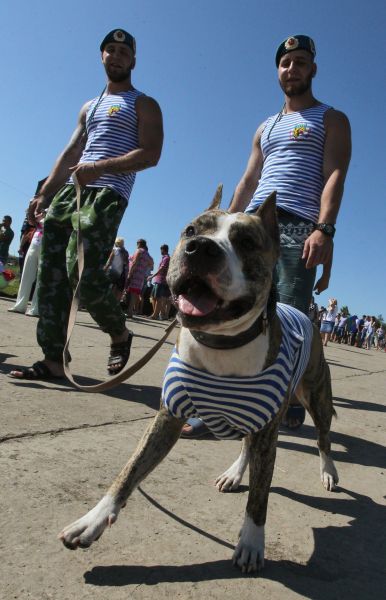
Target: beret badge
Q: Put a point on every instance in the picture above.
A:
(291, 44)
(119, 36)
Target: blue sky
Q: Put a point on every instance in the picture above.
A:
(210, 65)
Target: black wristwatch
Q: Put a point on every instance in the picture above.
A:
(327, 228)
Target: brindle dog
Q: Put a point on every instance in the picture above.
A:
(221, 278)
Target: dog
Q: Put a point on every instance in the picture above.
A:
(232, 337)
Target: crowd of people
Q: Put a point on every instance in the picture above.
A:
(131, 277)
(137, 288)
(365, 332)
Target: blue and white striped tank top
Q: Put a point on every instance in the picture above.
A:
(233, 407)
(293, 162)
(112, 131)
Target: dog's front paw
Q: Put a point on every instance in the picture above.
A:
(86, 530)
(328, 472)
(249, 553)
(230, 480)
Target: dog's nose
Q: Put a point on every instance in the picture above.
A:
(202, 247)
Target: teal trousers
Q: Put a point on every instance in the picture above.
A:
(294, 283)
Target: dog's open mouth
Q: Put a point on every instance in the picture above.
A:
(199, 305)
(194, 298)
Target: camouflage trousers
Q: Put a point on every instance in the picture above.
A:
(100, 215)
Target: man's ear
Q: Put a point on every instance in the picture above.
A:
(216, 199)
(314, 69)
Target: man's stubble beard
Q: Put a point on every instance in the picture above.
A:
(118, 77)
(296, 89)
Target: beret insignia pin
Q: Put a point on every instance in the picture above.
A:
(119, 36)
(291, 44)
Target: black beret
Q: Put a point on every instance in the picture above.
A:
(121, 36)
(295, 42)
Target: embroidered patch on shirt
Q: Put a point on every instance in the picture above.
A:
(114, 109)
(300, 131)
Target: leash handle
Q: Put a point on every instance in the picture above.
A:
(128, 371)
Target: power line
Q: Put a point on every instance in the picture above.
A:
(15, 188)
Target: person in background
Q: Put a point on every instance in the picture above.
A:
(322, 310)
(360, 325)
(370, 333)
(26, 234)
(160, 291)
(335, 328)
(6, 237)
(116, 267)
(341, 330)
(313, 311)
(380, 338)
(328, 320)
(141, 265)
(366, 325)
(352, 329)
(29, 275)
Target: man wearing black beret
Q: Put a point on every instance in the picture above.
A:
(302, 152)
(117, 135)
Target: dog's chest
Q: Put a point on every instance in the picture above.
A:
(233, 407)
(246, 361)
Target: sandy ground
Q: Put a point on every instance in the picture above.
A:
(61, 448)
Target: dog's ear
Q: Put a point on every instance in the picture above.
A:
(267, 213)
(216, 199)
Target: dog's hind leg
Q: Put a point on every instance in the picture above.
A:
(157, 441)
(249, 553)
(318, 401)
(321, 411)
(231, 478)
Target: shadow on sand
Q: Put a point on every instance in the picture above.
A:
(347, 561)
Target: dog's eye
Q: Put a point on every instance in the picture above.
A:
(248, 242)
(189, 231)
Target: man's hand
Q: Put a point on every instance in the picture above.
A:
(86, 173)
(36, 207)
(321, 284)
(318, 249)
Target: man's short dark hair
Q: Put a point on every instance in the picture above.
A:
(142, 243)
(8, 217)
(165, 247)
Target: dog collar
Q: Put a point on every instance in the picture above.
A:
(229, 342)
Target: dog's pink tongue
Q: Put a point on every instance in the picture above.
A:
(196, 305)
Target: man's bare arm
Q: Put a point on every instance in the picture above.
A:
(150, 138)
(337, 154)
(70, 155)
(61, 170)
(248, 183)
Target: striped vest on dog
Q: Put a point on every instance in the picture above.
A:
(232, 407)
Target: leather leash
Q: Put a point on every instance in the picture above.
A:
(128, 371)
